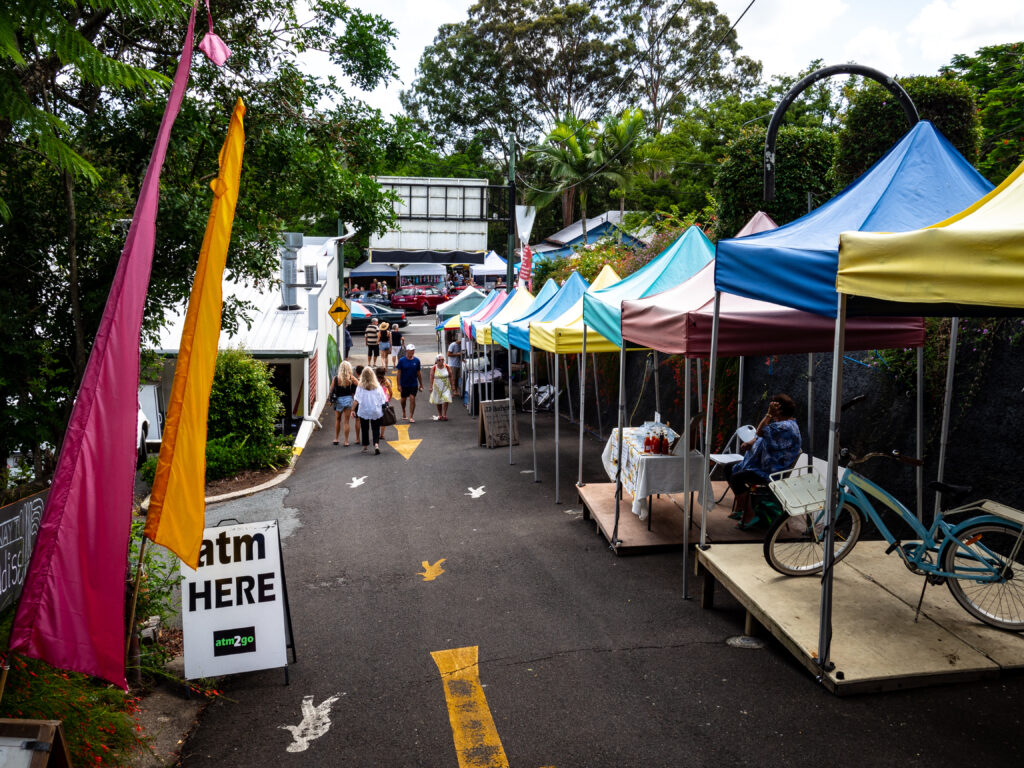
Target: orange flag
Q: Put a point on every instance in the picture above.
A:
(177, 508)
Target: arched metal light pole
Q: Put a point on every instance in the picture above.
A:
(836, 69)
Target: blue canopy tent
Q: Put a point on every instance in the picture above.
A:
(920, 181)
(568, 294)
(500, 331)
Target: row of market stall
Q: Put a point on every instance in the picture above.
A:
(827, 282)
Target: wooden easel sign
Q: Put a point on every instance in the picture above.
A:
(33, 744)
(493, 424)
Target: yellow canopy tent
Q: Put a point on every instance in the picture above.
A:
(564, 334)
(972, 258)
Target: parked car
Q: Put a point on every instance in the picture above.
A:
(418, 299)
(395, 316)
(369, 297)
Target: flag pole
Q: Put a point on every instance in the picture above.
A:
(135, 602)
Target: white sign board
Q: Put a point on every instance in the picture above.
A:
(233, 604)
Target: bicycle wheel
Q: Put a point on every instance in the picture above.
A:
(795, 545)
(999, 599)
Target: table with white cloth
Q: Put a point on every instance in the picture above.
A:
(645, 474)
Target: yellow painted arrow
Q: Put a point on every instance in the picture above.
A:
(431, 572)
(477, 744)
(403, 444)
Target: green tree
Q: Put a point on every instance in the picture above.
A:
(682, 54)
(804, 157)
(513, 65)
(996, 73)
(628, 152)
(875, 122)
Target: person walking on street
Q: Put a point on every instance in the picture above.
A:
(455, 364)
(396, 342)
(372, 337)
(385, 384)
(347, 342)
(369, 403)
(441, 387)
(385, 344)
(410, 381)
(343, 388)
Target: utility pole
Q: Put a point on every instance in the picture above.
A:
(511, 210)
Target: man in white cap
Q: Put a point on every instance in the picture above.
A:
(410, 382)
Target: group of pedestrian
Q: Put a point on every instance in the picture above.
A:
(381, 340)
(360, 394)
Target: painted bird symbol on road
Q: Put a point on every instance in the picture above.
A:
(357, 481)
(315, 723)
(431, 572)
(475, 493)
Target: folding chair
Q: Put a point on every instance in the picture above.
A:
(730, 454)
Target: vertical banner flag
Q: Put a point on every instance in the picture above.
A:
(177, 510)
(72, 610)
(526, 267)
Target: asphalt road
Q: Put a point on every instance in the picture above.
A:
(585, 658)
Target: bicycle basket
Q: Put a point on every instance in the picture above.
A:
(798, 490)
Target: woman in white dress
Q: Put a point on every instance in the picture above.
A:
(441, 387)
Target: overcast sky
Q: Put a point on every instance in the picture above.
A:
(899, 37)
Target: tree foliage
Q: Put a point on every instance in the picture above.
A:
(996, 73)
(803, 160)
(875, 122)
(305, 167)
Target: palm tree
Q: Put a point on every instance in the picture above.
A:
(629, 152)
(575, 155)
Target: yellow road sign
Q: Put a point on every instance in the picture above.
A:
(338, 311)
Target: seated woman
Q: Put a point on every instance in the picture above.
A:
(776, 447)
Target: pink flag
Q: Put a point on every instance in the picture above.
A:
(72, 610)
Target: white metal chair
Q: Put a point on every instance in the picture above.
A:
(730, 454)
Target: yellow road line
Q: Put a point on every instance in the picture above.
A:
(476, 738)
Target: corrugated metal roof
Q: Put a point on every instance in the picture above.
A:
(273, 332)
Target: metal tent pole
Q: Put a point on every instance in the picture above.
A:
(557, 396)
(832, 485)
(739, 395)
(568, 389)
(700, 393)
(583, 392)
(618, 464)
(707, 497)
(657, 385)
(919, 469)
(810, 404)
(490, 370)
(687, 480)
(511, 405)
(947, 404)
(597, 396)
(533, 412)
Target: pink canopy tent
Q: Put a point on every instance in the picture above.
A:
(482, 313)
(759, 222)
(678, 322)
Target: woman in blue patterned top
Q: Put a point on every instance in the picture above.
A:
(776, 447)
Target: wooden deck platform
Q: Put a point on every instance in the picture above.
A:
(876, 644)
(666, 520)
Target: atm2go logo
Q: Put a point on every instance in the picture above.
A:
(228, 642)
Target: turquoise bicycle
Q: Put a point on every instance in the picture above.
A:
(980, 559)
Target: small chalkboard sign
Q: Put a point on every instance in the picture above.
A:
(494, 424)
(33, 744)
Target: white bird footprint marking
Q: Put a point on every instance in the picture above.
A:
(475, 493)
(315, 723)
(357, 481)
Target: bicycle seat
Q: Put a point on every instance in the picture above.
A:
(944, 487)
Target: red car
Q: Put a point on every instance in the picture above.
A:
(418, 299)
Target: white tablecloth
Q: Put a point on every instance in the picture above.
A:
(644, 474)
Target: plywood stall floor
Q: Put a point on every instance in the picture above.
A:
(666, 520)
(876, 645)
